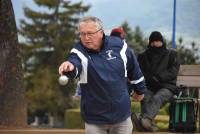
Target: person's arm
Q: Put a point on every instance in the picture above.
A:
(72, 67)
(144, 66)
(173, 68)
(135, 75)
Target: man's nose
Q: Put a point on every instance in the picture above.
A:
(87, 37)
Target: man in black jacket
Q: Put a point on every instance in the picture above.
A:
(160, 67)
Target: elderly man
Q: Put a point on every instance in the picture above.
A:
(103, 65)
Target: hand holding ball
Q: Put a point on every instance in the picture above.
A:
(63, 80)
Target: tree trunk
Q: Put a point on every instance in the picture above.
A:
(12, 91)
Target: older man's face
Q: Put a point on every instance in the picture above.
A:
(90, 36)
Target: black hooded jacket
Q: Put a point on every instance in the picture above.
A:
(160, 67)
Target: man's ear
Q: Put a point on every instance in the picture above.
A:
(102, 33)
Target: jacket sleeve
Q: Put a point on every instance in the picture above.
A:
(173, 68)
(141, 60)
(76, 61)
(134, 73)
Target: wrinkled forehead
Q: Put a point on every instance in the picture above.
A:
(88, 25)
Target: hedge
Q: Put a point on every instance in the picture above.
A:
(73, 118)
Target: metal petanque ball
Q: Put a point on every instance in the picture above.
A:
(63, 80)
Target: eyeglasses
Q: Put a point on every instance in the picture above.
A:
(89, 34)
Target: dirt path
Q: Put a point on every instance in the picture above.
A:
(56, 131)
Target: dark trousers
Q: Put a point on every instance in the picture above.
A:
(152, 102)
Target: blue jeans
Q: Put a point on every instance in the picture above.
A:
(124, 127)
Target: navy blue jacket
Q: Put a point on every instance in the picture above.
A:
(103, 80)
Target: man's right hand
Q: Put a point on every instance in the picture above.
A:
(65, 67)
(137, 97)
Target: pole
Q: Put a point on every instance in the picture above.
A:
(174, 26)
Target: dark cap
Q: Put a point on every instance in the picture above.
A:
(155, 36)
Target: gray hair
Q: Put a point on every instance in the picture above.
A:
(97, 21)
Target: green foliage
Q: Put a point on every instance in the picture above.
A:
(49, 36)
(73, 119)
(164, 110)
(135, 107)
(135, 39)
(42, 95)
(163, 126)
(188, 56)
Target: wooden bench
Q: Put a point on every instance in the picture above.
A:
(189, 76)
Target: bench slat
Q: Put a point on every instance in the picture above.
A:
(189, 81)
(193, 70)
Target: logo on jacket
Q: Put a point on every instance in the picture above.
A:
(109, 53)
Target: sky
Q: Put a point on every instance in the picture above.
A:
(149, 15)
